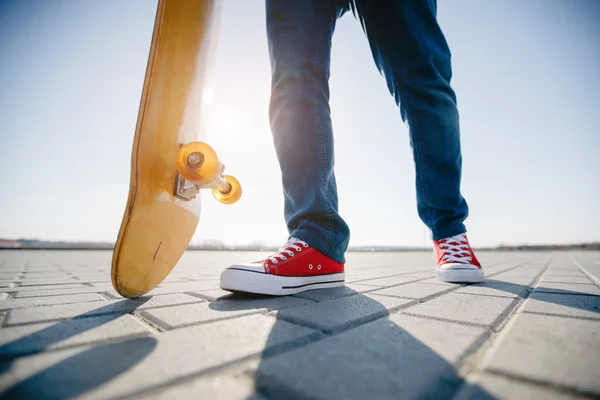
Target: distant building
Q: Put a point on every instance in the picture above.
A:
(9, 244)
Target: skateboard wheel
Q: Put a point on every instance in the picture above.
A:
(198, 163)
(234, 193)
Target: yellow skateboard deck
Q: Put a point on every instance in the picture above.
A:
(169, 163)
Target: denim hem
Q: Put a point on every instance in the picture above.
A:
(322, 244)
(449, 231)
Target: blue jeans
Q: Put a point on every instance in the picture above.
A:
(410, 50)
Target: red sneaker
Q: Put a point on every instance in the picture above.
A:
(456, 261)
(294, 268)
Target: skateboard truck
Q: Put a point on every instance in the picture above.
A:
(198, 167)
(187, 191)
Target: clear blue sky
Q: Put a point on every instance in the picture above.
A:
(526, 73)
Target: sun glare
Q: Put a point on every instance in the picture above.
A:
(208, 95)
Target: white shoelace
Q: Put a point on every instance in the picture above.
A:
(293, 243)
(455, 252)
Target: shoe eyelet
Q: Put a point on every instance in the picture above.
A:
(305, 245)
(310, 266)
(298, 248)
(283, 258)
(275, 262)
(318, 267)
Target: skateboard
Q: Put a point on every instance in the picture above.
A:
(170, 162)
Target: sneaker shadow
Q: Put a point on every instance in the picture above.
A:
(354, 349)
(546, 296)
(84, 371)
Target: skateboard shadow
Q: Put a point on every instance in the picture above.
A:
(83, 372)
(86, 370)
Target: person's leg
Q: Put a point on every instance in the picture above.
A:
(410, 50)
(299, 36)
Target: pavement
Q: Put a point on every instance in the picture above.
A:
(532, 330)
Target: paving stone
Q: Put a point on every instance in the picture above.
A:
(498, 266)
(88, 359)
(45, 275)
(537, 263)
(389, 281)
(173, 279)
(226, 307)
(562, 271)
(566, 279)
(369, 275)
(568, 288)
(212, 294)
(102, 286)
(421, 274)
(463, 307)
(43, 282)
(34, 291)
(374, 361)
(552, 349)
(515, 273)
(48, 300)
(534, 270)
(517, 280)
(57, 312)
(567, 266)
(565, 305)
(493, 287)
(193, 278)
(449, 340)
(57, 292)
(93, 281)
(497, 387)
(436, 281)
(123, 368)
(189, 286)
(93, 277)
(415, 290)
(591, 266)
(220, 387)
(573, 273)
(338, 314)
(183, 287)
(358, 279)
(27, 339)
(335, 293)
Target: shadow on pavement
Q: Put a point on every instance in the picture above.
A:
(370, 355)
(363, 360)
(568, 298)
(379, 359)
(85, 370)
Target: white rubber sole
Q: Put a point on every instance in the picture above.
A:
(461, 275)
(237, 280)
